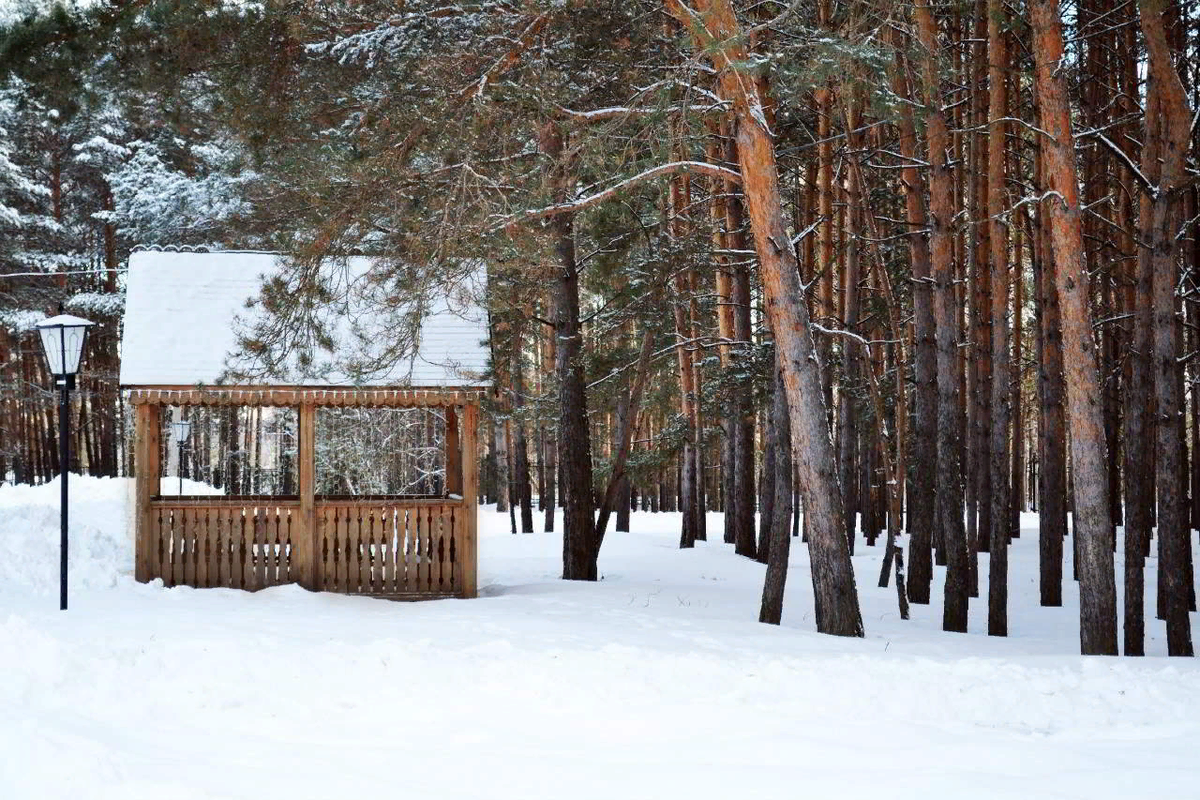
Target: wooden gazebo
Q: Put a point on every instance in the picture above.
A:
(182, 313)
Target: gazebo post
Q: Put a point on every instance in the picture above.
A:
(454, 462)
(470, 474)
(146, 459)
(305, 555)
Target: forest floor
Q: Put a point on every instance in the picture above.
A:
(655, 682)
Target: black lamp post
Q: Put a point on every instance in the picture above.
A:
(63, 338)
(181, 429)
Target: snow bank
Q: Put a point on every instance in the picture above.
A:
(101, 543)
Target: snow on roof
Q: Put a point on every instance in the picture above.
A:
(184, 313)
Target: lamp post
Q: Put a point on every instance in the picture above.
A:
(181, 429)
(63, 338)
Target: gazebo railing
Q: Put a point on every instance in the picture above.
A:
(379, 546)
(235, 543)
(392, 548)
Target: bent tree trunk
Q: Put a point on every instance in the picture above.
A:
(1092, 521)
(837, 609)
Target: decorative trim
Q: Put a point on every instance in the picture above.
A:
(297, 396)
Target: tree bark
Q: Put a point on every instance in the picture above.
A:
(1092, 525)
(1000, 467)
(949, 477)
(837, 609)
(779, 540)
(1168, 123)
(574, 433)
(922, 498)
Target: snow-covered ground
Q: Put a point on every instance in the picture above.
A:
(656, 682)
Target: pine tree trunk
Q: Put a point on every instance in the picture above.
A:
(949, 477)
(744, 451)
(779, 540)
(1168, 123)
(922, 498)
(1000, 467)
(574, 433)
(837, 609)
(1092, 526)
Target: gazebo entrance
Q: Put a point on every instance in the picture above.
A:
(394, 546)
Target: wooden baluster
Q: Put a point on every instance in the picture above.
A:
(276, 542)
(220, 568)
(384, 553)
(270, 534)
(242, 549)
(177, 550)
(443, 549)
(201, 548)
(408, 524)
(401, 550)
(342, 526)
(260, 548)
(418, 537)
(204, 550)
(371, 552)
(362, 548)
(231, 549)
(162, 549)
(455, 577)
(168, 559)
(285, 546)
(426, 550)
(189, 546)
(328, 551)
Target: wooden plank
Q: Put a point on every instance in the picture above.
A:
(426, 540)
(287, 545)
(401, 547)
(328, 551)
(147, 434)
(443, 550)
(470, 505)
(219, 575)
(237, 539)
(408, 548)
(362, 547)
(233, 536)
(176, 547)
(190, 520)
(343, 540)
(304, 530)
(260, 547)
(387, 555)
(455, 548)
(191, 550)
(271, 545)
(161, 548)
(203, 552)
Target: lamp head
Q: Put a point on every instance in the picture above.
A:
(63, 338)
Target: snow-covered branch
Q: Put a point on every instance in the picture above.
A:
(712, 170)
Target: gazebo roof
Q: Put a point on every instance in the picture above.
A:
(185, 311)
